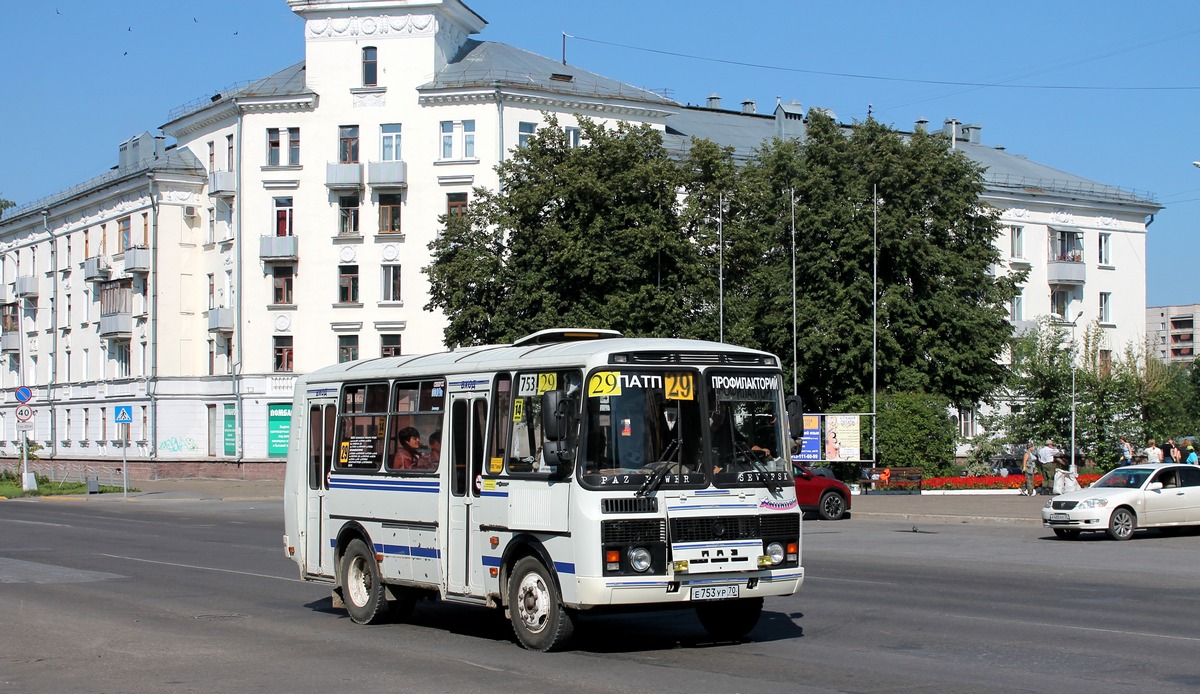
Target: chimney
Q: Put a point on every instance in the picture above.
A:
(922, 125)
(748, 106)
(971, 133)
(714, 101)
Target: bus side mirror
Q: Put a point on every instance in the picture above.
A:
(559, 423)
(795, 416)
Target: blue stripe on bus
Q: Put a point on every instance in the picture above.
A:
(730, 543)
(384, 485)
(695, 507)
(491, 561)
(781, 577)
(626, 584)
(500, 494)
(712, 492)
(407, 551)
(564, 568)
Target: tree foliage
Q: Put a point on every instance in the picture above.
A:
(4, 205)
(914, 430)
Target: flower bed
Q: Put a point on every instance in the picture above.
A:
(992, 482)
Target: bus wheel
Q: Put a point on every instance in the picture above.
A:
(535, 608)
(729, 620)
(362, 590)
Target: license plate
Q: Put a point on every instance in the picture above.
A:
(1060, 517)
(714, 592)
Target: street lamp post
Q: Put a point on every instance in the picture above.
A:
(1073, 323)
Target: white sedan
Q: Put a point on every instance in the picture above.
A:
(1128, 498)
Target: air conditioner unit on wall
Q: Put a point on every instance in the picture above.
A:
(190, 211)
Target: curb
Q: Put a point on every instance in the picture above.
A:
(944, 518)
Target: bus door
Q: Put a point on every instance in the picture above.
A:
(468, 417)
(322, 427)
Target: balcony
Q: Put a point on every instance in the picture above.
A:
(116, 326)
(221, 184)
(10, 341)
(387, 174)
(1066, 272)
(220, 320)
(137, 260)
(27, 287)
(95, 269)
(343, 176)
(278, 248)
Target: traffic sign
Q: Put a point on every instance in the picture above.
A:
(24, 413)
(124, 414)
(24, 394)
(24, 425)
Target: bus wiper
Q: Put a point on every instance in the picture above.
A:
(654, 481)
(767, 481)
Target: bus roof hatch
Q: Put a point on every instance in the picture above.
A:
(552, 335)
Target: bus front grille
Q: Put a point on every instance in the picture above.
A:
(636, 504)
(633, 531)
(715, 529)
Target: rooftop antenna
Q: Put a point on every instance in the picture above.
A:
(564, 47)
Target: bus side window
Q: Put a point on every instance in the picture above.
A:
(501, 411)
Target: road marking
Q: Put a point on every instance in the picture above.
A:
(20, 571)
(27, 522)
(203, 568)
(810, 577)
(1120, 632)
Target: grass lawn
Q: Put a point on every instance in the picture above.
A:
(10, 487)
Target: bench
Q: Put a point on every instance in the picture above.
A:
(901, 478)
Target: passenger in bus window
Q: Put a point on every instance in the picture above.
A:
(430, 460)
(407, 456)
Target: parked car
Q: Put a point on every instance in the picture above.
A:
(827, 497)
(1128, 498)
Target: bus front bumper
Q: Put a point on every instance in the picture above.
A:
(646, 590)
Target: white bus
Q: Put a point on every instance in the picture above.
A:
(571, 470)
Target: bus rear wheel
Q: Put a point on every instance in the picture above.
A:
(362, 589)
(729, 620)
(535, 607)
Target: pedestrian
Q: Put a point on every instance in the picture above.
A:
(1176, 454)
(1029, 467)
(1154, 454)
(1126, 453)
(1192, 459)
(1045, 458)
(1169, 452)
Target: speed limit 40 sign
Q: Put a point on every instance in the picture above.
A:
(24, 413)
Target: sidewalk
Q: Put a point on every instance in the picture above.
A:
(1009, 509)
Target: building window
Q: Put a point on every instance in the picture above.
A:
(212, 225)
(229, 152)
(390, 283)
(347, 284)
(1104, 357)
(524, 132)
(966, 423)
(1018, 307)
(347, 348)
(389, 345)
(273, 146)
(348, 215)
(68, 253)
(1105, 307)
(283, 216)
(348, 144)
(574, 137)
(103, 424)
(456, 204)
(145, 243)
(124, 234)
(389, 139)
(212, 357)
(212, 157)
(389, 213)
(283, 353)
(121, 359)
(212, 291)
(1066, 246)
(370, 66)
(116, 297)
(284, 276)
(293, 146)
(1060, 299)
(1017, 239)
(1105, 252)
(458, 139)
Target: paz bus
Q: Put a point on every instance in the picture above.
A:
(571, 471)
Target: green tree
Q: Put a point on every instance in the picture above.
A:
(4, 205)
(915, 430)
(1038, 390)
(578, 236)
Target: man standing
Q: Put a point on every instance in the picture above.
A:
(1045, 458)
(1029, 467)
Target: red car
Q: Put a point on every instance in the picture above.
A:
(830, 498)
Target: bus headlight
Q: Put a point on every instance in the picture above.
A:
(639, 559)
(775, 551)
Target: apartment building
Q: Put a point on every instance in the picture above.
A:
(286, 226)
(1170, 332)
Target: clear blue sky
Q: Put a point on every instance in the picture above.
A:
(83, 75)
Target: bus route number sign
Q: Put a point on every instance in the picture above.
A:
(604, 383)
(679, 386)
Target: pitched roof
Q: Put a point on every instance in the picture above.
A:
(287, 82)
(487, 63)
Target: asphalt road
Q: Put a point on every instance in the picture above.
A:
(195, 596)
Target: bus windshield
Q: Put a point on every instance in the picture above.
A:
(640, 422)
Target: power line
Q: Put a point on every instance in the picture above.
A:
(880, 78)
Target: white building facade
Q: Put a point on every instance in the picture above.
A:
(287, 226)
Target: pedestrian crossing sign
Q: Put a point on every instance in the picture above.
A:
(124, 414)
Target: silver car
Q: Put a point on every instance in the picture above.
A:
(1128, 498)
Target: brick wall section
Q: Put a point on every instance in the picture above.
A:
(204, 469)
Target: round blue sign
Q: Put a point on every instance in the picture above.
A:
(24, 394)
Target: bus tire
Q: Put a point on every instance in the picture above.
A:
(538, 617)
(729, 620)
(362, 589)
